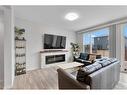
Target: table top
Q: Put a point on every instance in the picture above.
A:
(70, 65)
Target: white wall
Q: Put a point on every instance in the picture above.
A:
(1, 48)
(34, 39)
(9, 52)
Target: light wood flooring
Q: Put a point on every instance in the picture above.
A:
(123, 81)
(47, 79)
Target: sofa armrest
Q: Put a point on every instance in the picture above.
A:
(67, 81)
(105, 78)
(85, 62)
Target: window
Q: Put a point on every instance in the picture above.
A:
(125, 40)
(97, 42)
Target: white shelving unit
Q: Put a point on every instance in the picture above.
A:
(20, 54)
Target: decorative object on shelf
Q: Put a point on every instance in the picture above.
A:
(19, 33)
(75, 49)
(20, 51)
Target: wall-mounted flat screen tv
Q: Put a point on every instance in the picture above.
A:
(54, 41)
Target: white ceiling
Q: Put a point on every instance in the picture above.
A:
(53, 16)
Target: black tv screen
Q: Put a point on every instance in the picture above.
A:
(54, 41)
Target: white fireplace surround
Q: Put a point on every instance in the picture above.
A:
(44, 54)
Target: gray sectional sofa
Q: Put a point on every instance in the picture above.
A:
(103, 74)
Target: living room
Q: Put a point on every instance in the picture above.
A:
(52, 37)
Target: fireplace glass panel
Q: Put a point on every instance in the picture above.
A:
(55, 58)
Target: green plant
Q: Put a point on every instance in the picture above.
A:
(75, 49)
(18, 32)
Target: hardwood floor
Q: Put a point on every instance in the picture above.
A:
(123, 81)
(47, 79)
(37, 79)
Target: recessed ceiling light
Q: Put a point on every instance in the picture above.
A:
(71, 16)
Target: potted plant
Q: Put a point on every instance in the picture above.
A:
(19, 33)
(75, 50)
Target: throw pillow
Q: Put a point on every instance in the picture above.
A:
(92, 57)
(113, 60)
(104, 63)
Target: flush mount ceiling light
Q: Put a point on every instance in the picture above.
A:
(71, 16)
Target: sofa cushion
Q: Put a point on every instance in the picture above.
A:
(104, 62)
(83, 61)
(97, 65)
(103, 58)
(113, 60)
(85, 71)
(79, 60)
(83, 56)
(88, 69)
